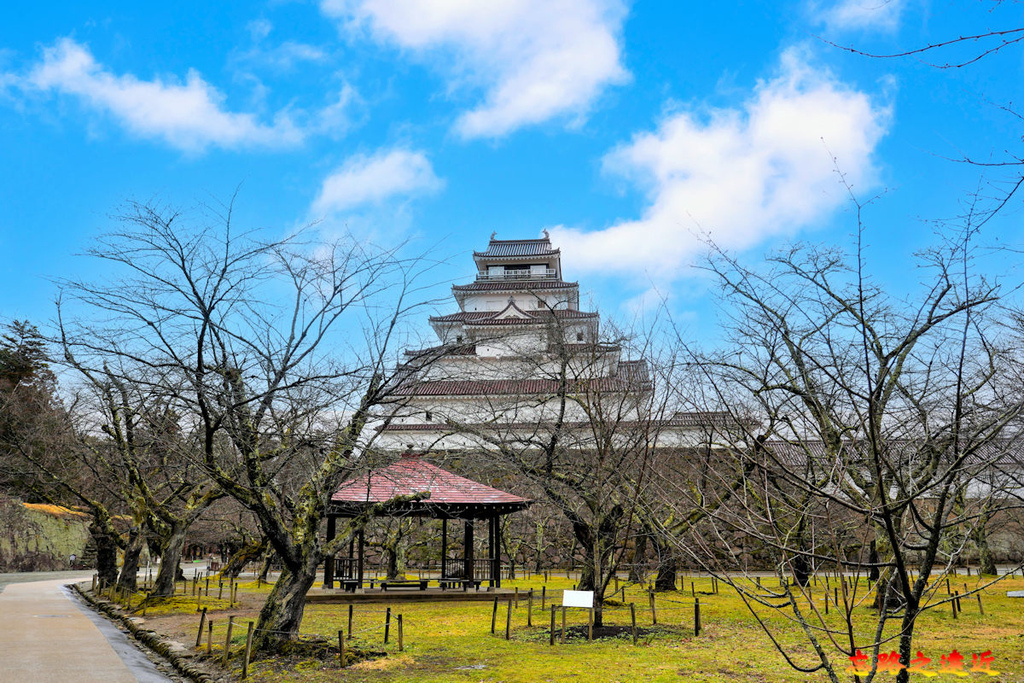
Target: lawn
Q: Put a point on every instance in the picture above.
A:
(452, 641)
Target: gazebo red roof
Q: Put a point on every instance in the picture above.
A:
(450, 494)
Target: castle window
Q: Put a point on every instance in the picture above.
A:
(579, 336)
(429, 416)
(458, 339)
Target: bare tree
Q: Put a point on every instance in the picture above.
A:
(869, 437)
(577, 423)
(273, 356)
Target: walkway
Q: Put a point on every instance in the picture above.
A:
(48, 637)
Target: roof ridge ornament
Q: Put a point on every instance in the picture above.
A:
(493, 235)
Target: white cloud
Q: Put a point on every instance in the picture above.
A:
(371, 180)
(188, 116)
(534, 59)
(881, 15)
(739, 175)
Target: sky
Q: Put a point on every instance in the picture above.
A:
(631, 131)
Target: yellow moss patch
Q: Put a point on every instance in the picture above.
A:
(55, 510)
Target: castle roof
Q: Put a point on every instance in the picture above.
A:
(513, 387)
(527, 317)
(516, 248)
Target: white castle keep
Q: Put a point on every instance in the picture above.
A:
(519, 357)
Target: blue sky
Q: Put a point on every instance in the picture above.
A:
(625, 129)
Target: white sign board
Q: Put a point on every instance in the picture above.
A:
(578, 599)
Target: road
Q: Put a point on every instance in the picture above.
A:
(49, 636)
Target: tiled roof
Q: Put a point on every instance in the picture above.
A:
(1005, 452)
(412, 474)
(514, 286)
(489, 317)
(512, 387)
(444, 350)
(718, 419)
(502, 248)
(635, 370)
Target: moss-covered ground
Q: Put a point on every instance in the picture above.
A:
(452, 641)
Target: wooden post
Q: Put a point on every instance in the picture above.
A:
(590, 625)
(508, 621)
(551, 636)
(209, 637)
(835, 590)
(693, 591)
(543, 596)
(341, 646)
(387, 625)
(494, 614)
(227, 640)
(202, 622)
(207, 586)
(563, 623)
(632, 618)
(350, 620)
(980, 608)
(959, 607)
(696, 617)
(759, 582)
(248, 651)
(199, 600)
(529, 608)
(654, 613)
(948, 591)
(953, 603)
(516, 597)
(401, 637)
(93, 583)
(220, 590)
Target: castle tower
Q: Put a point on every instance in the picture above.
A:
(502, 354)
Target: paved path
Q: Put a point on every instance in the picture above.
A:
(47, 636)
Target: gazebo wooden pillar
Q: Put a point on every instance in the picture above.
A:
(468, 572)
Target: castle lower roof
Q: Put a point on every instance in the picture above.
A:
(513, 387)
(530, 317)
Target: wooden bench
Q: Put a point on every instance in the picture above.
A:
(460, 583)
(349, 585)
(421, 585)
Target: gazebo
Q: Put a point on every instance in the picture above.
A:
(451, 498)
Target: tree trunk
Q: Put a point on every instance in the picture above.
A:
(128, 580)
(667, 573)
(281, 615)
(801, 570)
(638, 572)
(106, 555)
(538, 547)
(257, 551)
(268, 559)
(170, 562)
(873, 572)
(986, 561)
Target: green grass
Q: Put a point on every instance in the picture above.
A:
(452, 641)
